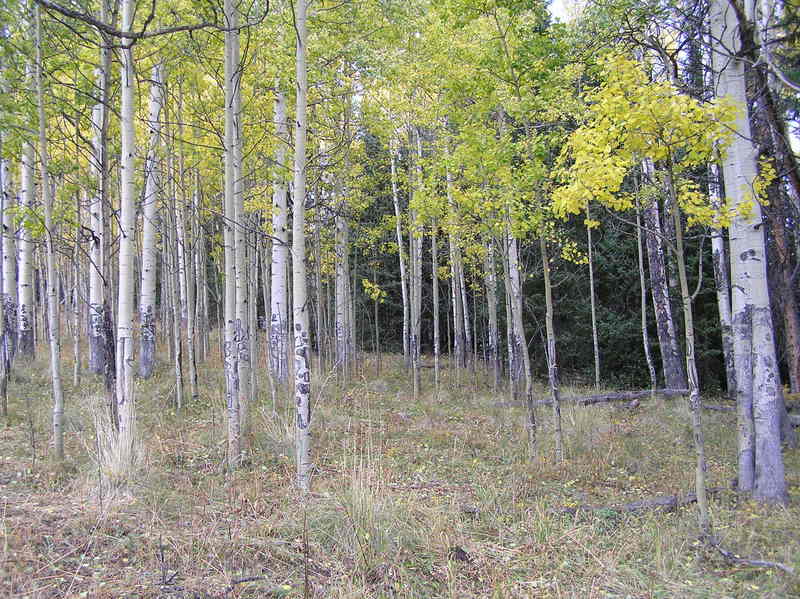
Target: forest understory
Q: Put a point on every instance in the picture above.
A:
(435, 498)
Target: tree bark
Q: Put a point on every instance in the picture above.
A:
(552, 361)
(127, 230)
(492, 333)
(671, 360)
(52, 279)
(25, 279)
(279, 316)
(722, 283)
(643, 302)
(302, 346)
(401, 256)
(152, 195)
(230, 347)
(760, 461)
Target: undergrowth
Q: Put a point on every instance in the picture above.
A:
(439, 497)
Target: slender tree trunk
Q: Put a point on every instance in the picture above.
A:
(552, 361)
(691, 369)
(279, 331)
(401, 257)
(415, 252)
(595, 343)
(4, 363)
(722, 283)
(302, 346)
(493, 337)
(435, 293)
(26, 307)
(519, 344)
(99, 360)
(9, 280)
(343, 326)
(459, 337)
(674, 375)
(76, 302)
(643, 296)
(230, 346)
(52, 279)
(186, 273)
(242, 316)
(127, 230)
(152, 193)
(757, 380)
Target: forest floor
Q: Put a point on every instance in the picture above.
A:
(438, 497)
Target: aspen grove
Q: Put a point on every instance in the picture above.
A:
(378, 298)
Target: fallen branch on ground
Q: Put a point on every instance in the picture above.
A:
(667, 503)
(758, 563)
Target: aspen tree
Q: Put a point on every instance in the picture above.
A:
(279, 305)
(761, 469)
(52, 279)
(643, 302)
(98, 334)
(394, 153)
(126, 429)
(722, 282)
(152, 196)
(302, 346)
(4, 363)
(492, 333)
(552, 361)
(25, 279)
(9, 278)
(242, 311)
(230, 347)
(674, 375)
(595, 343)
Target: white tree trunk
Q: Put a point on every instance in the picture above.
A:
(595, 342)
(25, 275)
(493, 336)
(758, 388)
(98, 341)
(342, 324)
(9, 278)
(643, 302)
(302, 345)
(152, 195)
(401, 255)
(52, 278)
(230, 348)
(519, 343)
(127, 230)
(552, 361)
(279, 315)
(722, 283)
(242, 311)
(674, 375)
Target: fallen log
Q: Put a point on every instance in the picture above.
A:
(666, 503)
(586, 400)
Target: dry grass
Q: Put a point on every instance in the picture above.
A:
(438, 498)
